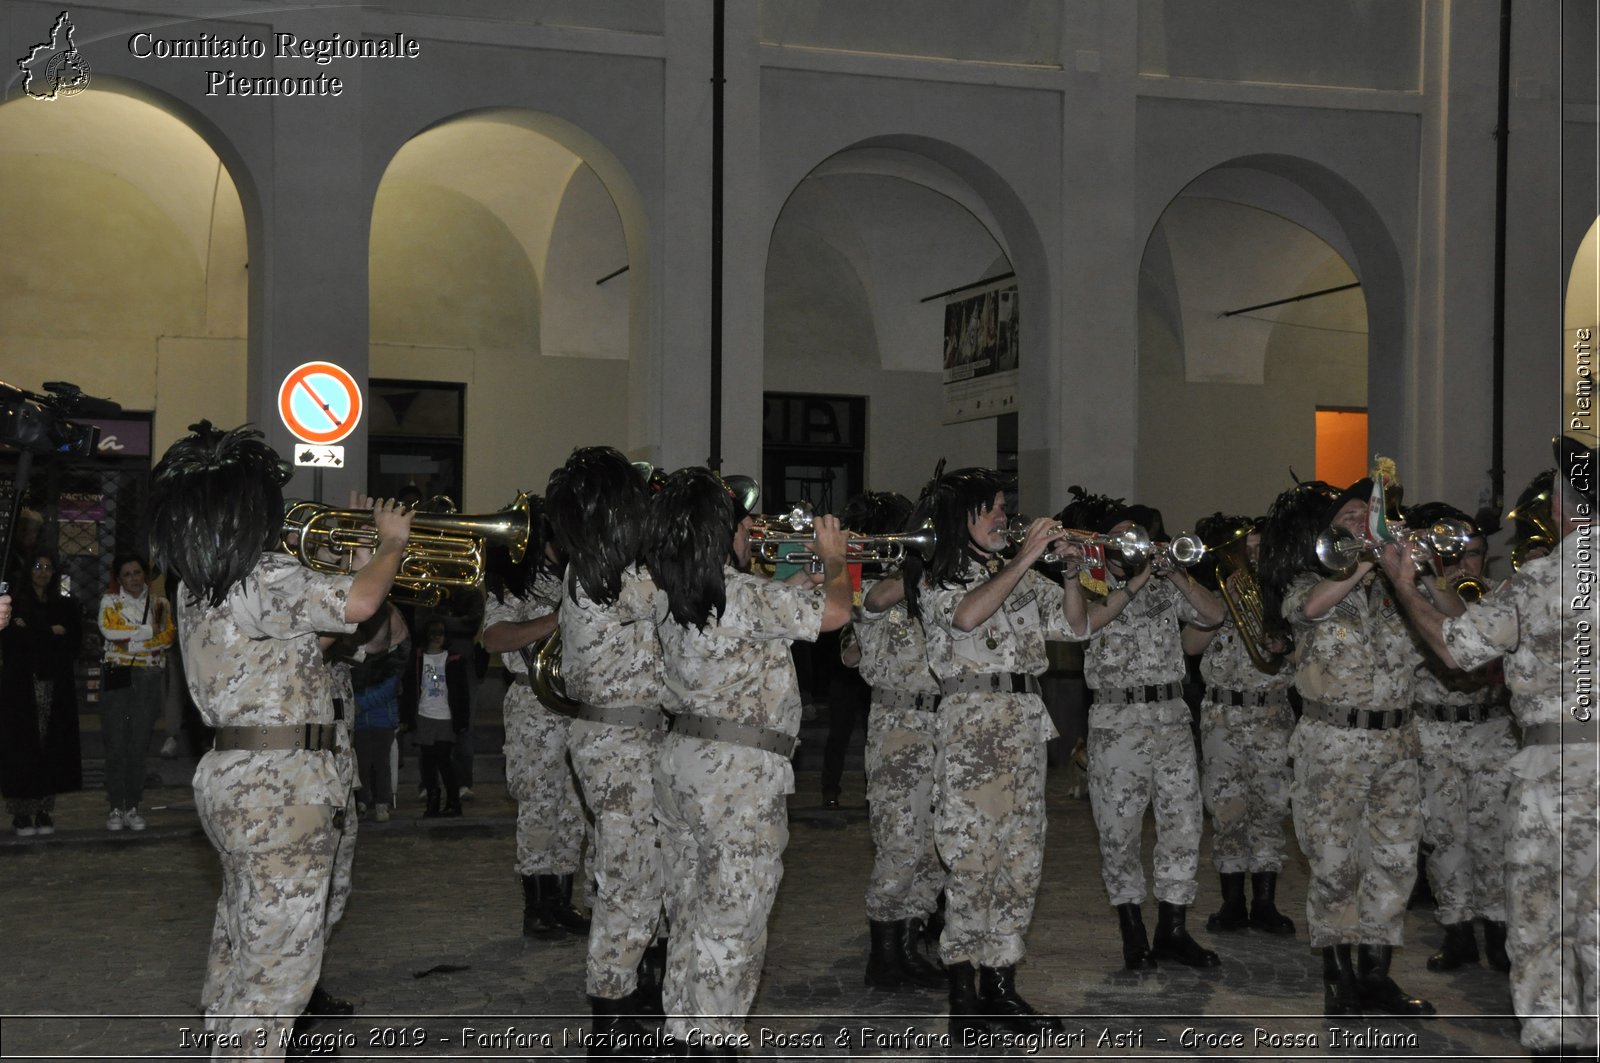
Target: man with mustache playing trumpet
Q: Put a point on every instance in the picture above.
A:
(1141, 750)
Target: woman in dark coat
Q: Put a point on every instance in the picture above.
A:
(39, 755)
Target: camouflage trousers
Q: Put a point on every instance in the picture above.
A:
(724, 823)
(1357, 800)
(550, 824)
(1142, 756)
(989, 822)
(615, 767)
(1244, 778)
(266, 943)
(1551, 858)
(1465, 778)
(906, 876)
(344, 859)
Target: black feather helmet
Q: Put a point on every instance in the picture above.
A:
(877, 513)
(596, 504)
(1219, 531)
(1289, 536)
(688, 540)
(216, 504)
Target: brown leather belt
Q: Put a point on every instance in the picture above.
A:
(990, 683)
(1357, 719)
(739, 734)
(625, 716)
(312, 737)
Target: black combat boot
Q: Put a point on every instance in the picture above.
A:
(556, 908)
(1460, 947)
(324, 1003)
(1378, 991)
(1135, 942)
(1264, 914)
(533, 922)
(616, 1030)
(966, 1010)
(1339, 993)
(997, 995)
(1494, 945)
(917, 968)
(652, 978)
(432, 809)
(1172, 940)
(1233, 915)
(883, 962)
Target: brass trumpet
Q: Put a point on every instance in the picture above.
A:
(1339, 552)
(886, 550)
(1132, 545)
(444, 550)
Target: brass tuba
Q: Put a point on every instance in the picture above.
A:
(1242, 595)
(1538, 513)
(543, 659)
(444, 550)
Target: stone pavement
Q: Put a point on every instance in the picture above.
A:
(105, 937)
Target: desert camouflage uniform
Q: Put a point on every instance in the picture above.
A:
(1466, 774)
(989, 817)
(906, 876)
(722, 809)
(1244, 772)
(345, 855)
(1141, 755)
(610, 658)
(254, 661)
(1543, 623)
(550, 823)
(1357, 793)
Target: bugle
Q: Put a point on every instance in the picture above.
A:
(1339, 552)
(444, 550)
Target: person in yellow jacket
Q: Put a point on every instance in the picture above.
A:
(137, 627)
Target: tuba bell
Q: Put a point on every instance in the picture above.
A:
(1242, 596)
(543, 659)
(1537, 513)
(444, 550)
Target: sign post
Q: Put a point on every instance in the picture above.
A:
(320, 404)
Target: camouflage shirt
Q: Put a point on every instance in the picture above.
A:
(609, 654)
(1011, 640)
(738, 668)
(1143, 644)
(543, 599)
(254, 661)
(1432, 683)
(1357, 654)
(894, 653)
(1534, 625)
(1226, 665)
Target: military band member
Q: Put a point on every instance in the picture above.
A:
(1467, 746)
(986, 619)
(611, 665)
(1357, 793)
(1141, 748)
(519, 611)
(1541, 627)
(892, 657)
(1244, 741)
(725, 770)
(269, 793)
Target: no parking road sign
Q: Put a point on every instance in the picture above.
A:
(320, 403)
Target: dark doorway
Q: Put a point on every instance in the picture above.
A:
(814, 449)
(416, 441)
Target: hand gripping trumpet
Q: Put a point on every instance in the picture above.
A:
(445, 550)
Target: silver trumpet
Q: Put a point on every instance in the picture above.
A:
(1132, 545)
(1339, 552)
(886, 550)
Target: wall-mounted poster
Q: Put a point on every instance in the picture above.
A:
(981, 352)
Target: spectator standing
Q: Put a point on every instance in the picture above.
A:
(137, 627)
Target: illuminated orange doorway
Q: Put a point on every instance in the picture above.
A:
(1341, 445)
